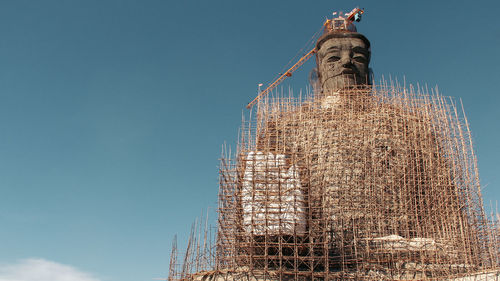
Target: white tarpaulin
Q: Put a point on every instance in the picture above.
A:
(398, 243)
(272, 196)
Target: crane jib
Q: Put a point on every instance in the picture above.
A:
(287, 73)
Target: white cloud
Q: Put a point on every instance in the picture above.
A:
(42, 270)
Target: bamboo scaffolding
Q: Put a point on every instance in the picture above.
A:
(368, 183)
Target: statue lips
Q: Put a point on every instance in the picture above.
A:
(346, 72)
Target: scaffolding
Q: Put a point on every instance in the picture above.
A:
(365, 183)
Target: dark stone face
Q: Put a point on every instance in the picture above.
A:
(343, 62)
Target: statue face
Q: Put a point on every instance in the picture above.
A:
(343, 62)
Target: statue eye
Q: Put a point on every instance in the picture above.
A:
(333, 59)
(360, 59)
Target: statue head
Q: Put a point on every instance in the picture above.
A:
(343, 59)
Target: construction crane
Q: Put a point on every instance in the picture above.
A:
(342, 23)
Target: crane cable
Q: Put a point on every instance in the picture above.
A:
(301, 52)
(281, 76)
(288, 73)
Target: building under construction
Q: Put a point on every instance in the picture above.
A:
(352, 181)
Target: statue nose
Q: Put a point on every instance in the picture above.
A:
(345, 59)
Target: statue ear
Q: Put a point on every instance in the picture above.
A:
(314, 76)
(370, 76)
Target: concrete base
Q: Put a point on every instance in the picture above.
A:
(482, 276)
(242, 275)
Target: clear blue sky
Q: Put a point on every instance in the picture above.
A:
(113, 113)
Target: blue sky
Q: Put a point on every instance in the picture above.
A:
(113, 113)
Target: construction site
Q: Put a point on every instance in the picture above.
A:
(351, 180)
